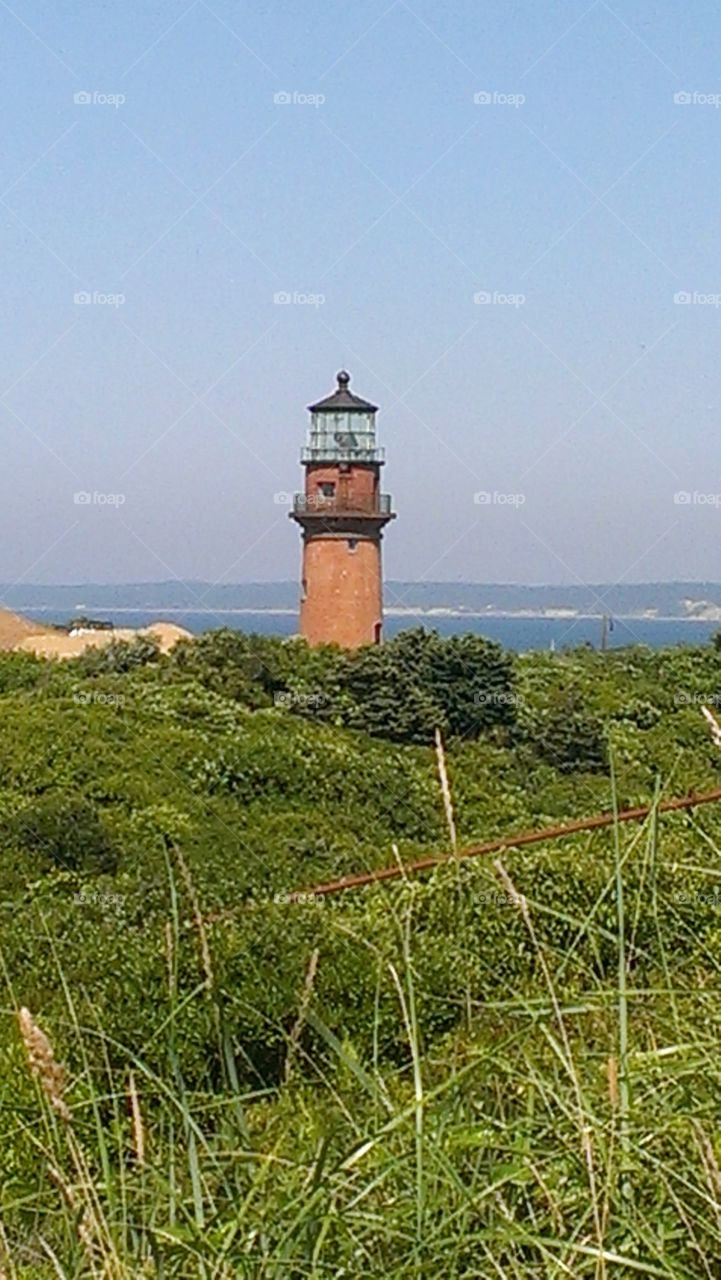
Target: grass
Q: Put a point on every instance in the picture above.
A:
(563, 1128)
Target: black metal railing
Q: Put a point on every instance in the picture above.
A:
(341, 504)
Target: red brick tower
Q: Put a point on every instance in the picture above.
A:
(342, 513)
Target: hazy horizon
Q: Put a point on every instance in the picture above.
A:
(426, 583)
(504, 224)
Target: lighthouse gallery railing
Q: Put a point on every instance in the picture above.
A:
(339, 504)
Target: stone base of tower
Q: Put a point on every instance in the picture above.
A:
(341, 595)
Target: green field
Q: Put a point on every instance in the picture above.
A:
(504, 1068)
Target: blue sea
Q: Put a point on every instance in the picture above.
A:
(520, 634)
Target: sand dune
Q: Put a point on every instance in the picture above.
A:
(56, 644)
(19, 633)
(14, 629)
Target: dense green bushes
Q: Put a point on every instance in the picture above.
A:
(68, 831)
(402, 690)
(106, 767)
(118, 657)
(154, 816)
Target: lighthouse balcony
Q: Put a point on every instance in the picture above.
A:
(341, 452)
(310, 504)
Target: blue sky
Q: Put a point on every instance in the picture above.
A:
(582, 199)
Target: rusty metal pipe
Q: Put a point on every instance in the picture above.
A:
(397, 872)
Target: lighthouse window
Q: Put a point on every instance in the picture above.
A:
(327, 489)
(352, 544)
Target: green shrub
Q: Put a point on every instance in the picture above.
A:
(118, 657)
(567, 737)
(68, 831)
(22, 671)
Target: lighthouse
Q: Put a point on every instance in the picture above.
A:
(342, 513)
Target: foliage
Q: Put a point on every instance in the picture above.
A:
(429, 1076)
(21, 671)
(119, 656)
(403, 690)
(567, 737)
(66, 830)
(236, 665)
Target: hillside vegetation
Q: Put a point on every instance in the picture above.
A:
(500, 1069)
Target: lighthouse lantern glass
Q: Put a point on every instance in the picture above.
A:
(338, 435)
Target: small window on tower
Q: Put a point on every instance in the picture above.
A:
(327, 489)
(352, 544)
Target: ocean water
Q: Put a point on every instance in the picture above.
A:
(520, 634)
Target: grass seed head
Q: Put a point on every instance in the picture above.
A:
(42, 1063)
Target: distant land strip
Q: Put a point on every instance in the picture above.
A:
(659, 601)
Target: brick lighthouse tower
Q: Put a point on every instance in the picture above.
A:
(342, 513)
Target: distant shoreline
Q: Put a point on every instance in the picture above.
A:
(439, 611)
